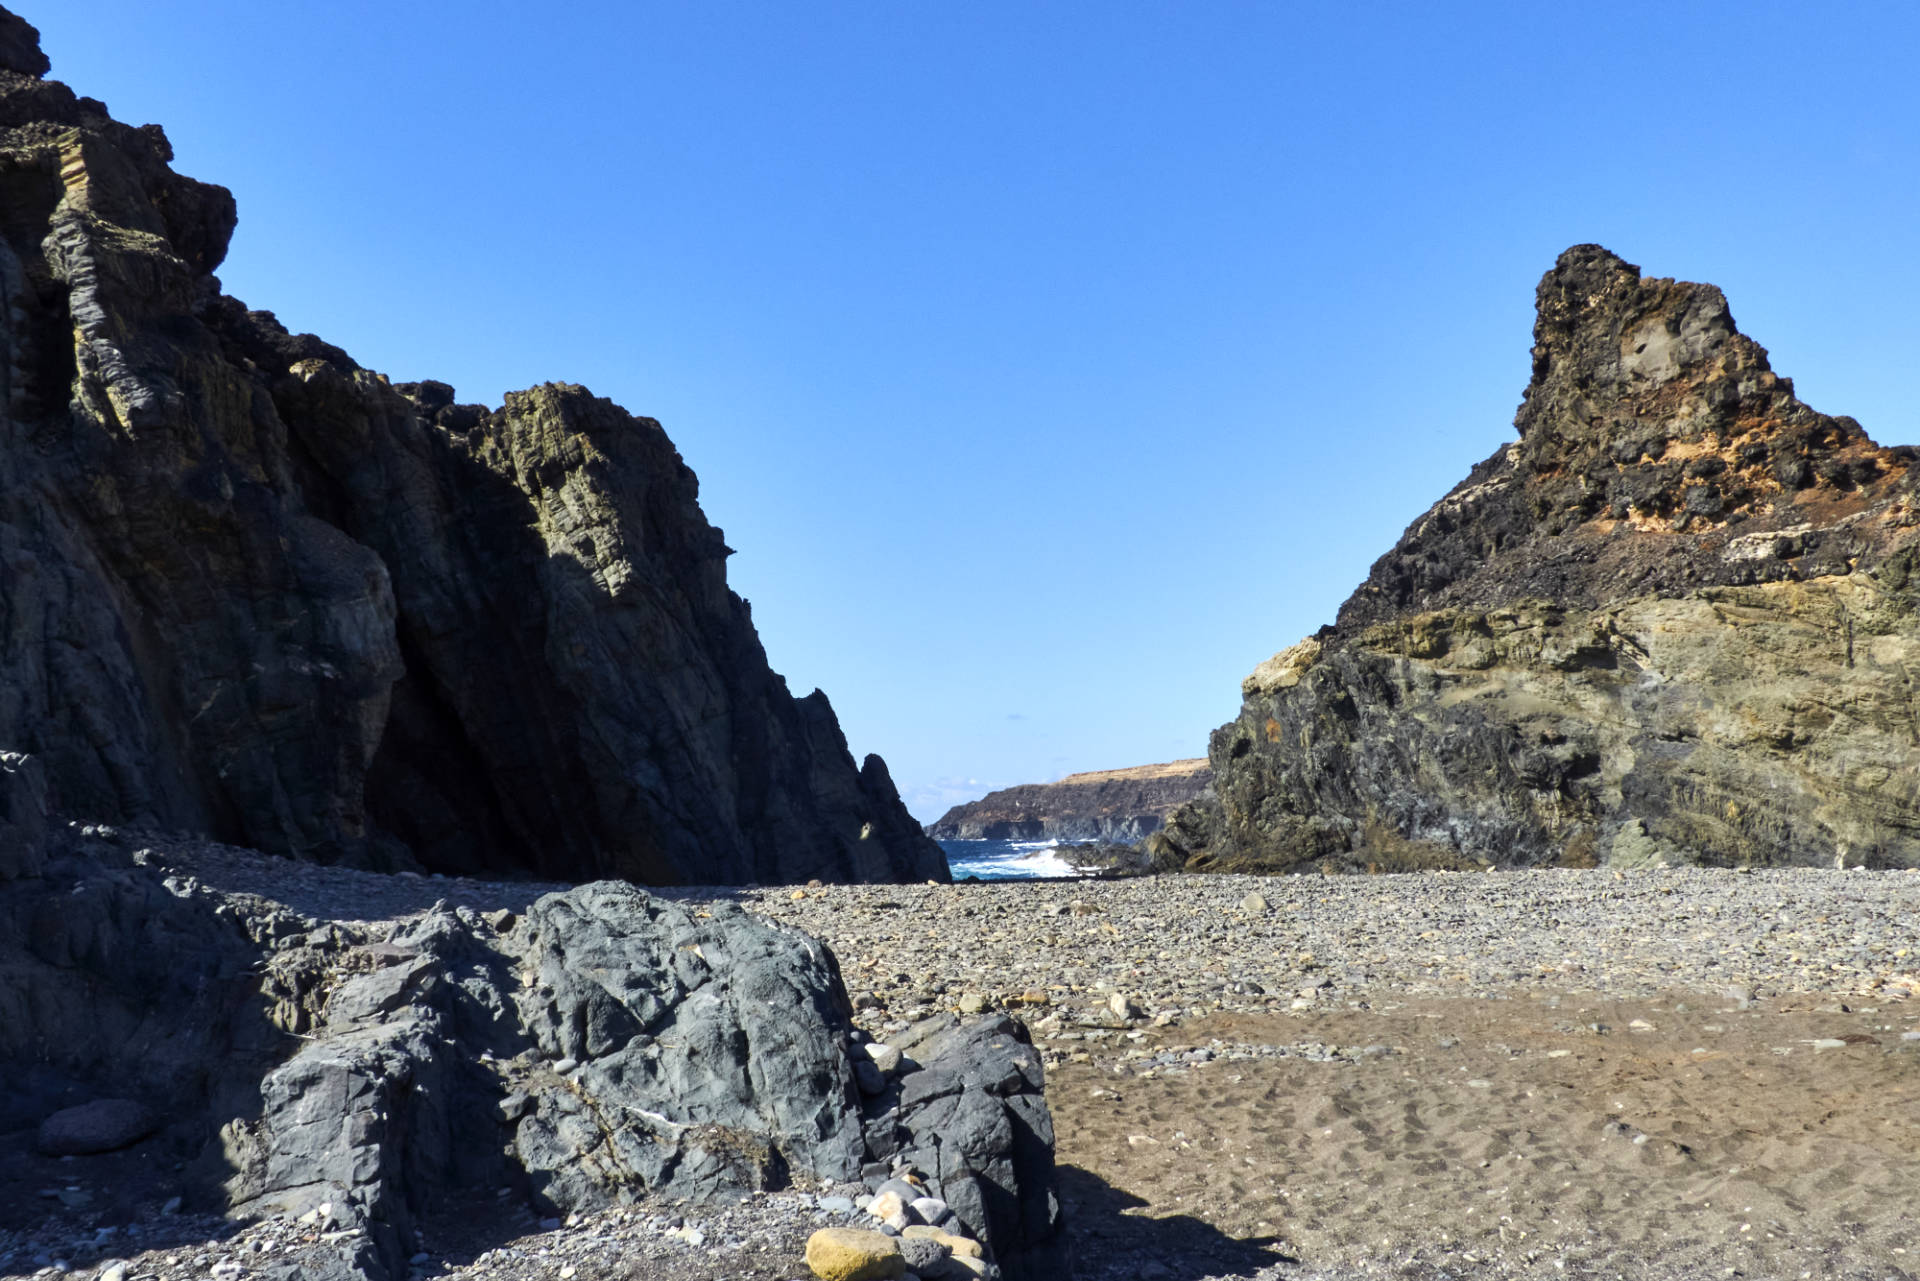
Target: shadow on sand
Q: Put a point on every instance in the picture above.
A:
(1111, 1245)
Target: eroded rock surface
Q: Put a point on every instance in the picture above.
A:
(353, 1076)
(1675, 621)
(253, 590)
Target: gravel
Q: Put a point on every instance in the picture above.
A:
(1092, 967)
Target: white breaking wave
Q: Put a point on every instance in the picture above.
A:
(1008, 860)
(1045, 862)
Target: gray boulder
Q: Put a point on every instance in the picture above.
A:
(104, 1125)
(973, 1120)
(610, 1044)
(712, 1048)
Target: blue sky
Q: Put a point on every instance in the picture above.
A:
(1049, 364)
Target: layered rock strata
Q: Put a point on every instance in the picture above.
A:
(605, 1045)
(1677, 620)
(1100, 805)
(254, 590)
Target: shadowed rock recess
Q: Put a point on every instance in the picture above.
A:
(251, 589)
(1675, 621)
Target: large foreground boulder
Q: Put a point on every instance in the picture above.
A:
(605, 1045)
(1677, 620)
(254, 590)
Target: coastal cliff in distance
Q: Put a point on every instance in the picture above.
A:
(253, 590)
(1124, 805)
(1678, 620)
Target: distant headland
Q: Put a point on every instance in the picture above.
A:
(1098, 805)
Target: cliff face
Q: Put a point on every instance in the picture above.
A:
(253, 590)
(1101, 805)
(1676, 620)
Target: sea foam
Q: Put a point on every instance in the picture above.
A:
(1006, 860)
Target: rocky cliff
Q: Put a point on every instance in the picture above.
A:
(254, 590)
(1100, 805)
(1675, 620)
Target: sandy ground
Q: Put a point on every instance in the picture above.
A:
(1652, 1076)
(1451, 1076)
(1507, 1136)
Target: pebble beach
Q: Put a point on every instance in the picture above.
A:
(1650, 1074)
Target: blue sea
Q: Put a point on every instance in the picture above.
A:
(1005, 860)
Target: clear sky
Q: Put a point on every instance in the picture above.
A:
(1049, 364)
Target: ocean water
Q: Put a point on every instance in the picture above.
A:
(1005, 860)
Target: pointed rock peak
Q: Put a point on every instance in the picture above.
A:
(1607, 343)
(1620, 358)
(20, 46)
(1648, 415)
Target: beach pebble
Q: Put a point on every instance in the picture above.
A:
(850, 1254)
(888, 1206)
(906, 1191)
(954, 1242)
(884, 1057)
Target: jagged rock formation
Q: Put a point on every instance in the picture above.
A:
(1676, 620)
(604, 1045)
(1099, 805)
(251, 589)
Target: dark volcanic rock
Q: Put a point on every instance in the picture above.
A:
(20, 47)
(23, 815)
(1101, 805)
(975, 1119)
(604, 1046)
(741, 1025)
(1677, 620)
(1108, 861)
(253, 590)
(100, 1126)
